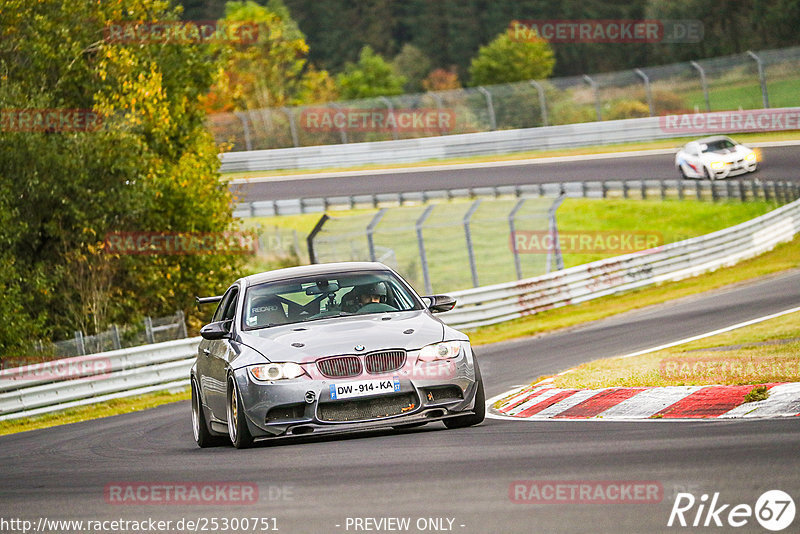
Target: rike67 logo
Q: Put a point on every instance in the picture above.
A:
(774, 510)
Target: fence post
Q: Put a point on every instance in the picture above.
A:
(312, 257)
(542, 101)
(421, 243)
(648, 92)
(702, 72)
(593, 85)
(489, 107)
(342, 132)
(513, 230)
(182, 325)
(390, 108)
(148, 330)
(470, 250)
(248, 143)
(553, 230)
(292, 126)
(115, 336)
(79, 345)
(761, 78)
(371, 230)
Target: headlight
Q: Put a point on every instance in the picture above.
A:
(276, 371)
(751, 156)
(440, 351)
(717, 165)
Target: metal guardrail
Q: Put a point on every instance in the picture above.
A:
(473, 144)
(164, 366)
(741, 189)
(502, 302)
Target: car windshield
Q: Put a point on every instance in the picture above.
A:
(317, 297)
(716, 146)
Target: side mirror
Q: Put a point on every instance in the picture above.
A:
(218, 330)
(440, 303)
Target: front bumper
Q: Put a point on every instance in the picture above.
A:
(304, 405)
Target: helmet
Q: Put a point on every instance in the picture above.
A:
(377, 288)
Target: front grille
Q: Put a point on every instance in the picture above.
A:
(385, 362)
(340, 366)
(363, 409)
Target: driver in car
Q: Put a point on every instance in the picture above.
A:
(370, 298)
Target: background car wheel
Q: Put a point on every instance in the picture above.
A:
(202, 435)
(681, 173)
(480, 406)
(237, 425)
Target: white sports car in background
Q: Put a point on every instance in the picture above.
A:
(715, 157)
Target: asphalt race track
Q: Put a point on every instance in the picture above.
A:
(315, 484)
(779, 163)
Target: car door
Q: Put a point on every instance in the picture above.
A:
(215, 355)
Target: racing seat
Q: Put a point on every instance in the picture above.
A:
(266, 310)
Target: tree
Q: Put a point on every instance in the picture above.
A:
(414, 65)
(150, 167)
(442, 80)
(371, 76)
(271, 72)
(509, 59)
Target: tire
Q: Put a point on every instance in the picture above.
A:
(707, 174)
(480, 406)
(238, 431)
(202, 435)
(681, 173)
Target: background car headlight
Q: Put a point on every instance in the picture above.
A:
(276, 371)
(717, 165)
(440, 351)
(750, 157)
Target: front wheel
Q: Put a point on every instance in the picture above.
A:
(681, 173)
(202, 435)
(237, 425)
(480, 406)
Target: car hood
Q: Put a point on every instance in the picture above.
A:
(309, 341)
(726, 154)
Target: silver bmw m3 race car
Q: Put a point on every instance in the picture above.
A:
(331, 347)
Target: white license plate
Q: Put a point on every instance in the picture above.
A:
(362, 388)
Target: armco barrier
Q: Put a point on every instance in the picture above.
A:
(502, 302)
(166, 365)
(462, 145)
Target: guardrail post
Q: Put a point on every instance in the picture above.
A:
(663, 185)
(761, 77)
(604, 188)
(584, 189)
(765, 189)
(421, 243)
(729, 189)
(680, 189)
(625, 189)
(371, 230)
(703, 82)
(513, 230)
(643, 188)
(489, 107)
(754, 189)
(714, 195)
(248, 143)
(542, 101)
(593, 85)
(470, 250)
(647, 90)
(698, 190)
(742, 191)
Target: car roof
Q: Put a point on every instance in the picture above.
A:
(706, 140)
(312, 270)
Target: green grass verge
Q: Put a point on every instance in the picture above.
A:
(674, 143)
(783, 257)
(723, 97)
(93, 411)
(758, 354)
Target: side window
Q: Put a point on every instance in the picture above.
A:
(224, 304)
(230, 306)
